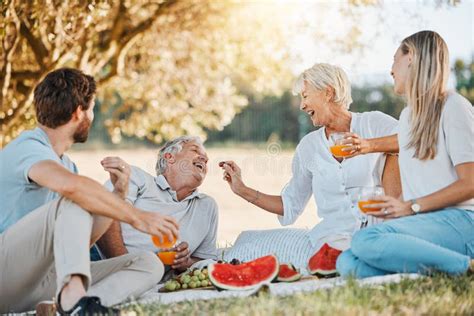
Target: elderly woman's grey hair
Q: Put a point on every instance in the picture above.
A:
(173, 147)
(320, 76)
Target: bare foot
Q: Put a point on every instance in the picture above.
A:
(72, 292)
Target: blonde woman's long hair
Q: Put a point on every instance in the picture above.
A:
(426, 90)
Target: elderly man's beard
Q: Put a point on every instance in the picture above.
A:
(82, 131)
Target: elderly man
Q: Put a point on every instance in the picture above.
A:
(50, 215)
(181, 168)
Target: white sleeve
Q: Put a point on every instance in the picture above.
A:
(382, 125)
(458, 125)
(296, 193)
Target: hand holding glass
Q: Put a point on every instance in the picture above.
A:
(368, 196)
(336, 144)
(167, 253)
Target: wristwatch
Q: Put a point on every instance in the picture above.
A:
(415, 207)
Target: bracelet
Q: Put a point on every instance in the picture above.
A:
(256, 198)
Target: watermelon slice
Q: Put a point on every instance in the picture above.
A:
(323, 262)
(245, 276)
(288, 273)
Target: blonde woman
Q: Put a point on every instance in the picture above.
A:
(432, 227)
(326, 95)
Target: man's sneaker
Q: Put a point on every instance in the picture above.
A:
(323, 262)
(46, 308)
(88, 306)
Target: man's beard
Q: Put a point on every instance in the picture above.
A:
(82, 131)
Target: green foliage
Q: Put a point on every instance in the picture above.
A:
(377, 98)
(464, 72)
(274, 118)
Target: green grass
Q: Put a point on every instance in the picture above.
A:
(437, 295)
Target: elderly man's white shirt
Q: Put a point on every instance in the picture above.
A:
(197, 214)
(316, 172)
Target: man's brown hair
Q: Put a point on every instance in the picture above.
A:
(59, 95)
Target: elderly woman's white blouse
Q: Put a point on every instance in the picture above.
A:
(317, 172)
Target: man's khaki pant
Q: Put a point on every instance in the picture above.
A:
(40, 252)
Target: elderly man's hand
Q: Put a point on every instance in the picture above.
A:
(182, 260)
(119, 172)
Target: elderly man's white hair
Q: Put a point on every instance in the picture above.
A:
(320, 76)
(173, 147)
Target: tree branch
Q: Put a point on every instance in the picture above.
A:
(146, 24)
(21, 109)
(39, 50)
(117, 63)
(25, 74)
(118, 24)
(117, 51)
(10, 41)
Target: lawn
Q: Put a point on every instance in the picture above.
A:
(437, 295)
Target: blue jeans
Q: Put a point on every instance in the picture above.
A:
(441, 240)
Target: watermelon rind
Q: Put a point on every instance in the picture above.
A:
(222, 286)
(324, 274)
(292, 278)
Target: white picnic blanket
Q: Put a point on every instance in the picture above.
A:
(278, 289)
(290, 245)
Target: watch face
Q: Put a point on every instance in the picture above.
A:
(415, 207)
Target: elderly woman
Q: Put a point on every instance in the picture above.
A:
(432, 226)
(326, 96)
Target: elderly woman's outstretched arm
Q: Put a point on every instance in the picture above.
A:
(233, 175)
(361, 146)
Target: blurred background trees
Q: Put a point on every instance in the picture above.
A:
(464, 73)
(171, 64)
(172, 67)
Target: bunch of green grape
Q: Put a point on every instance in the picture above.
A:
(189, 280)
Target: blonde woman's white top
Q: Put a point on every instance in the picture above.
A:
(455, 146)
(316, 172)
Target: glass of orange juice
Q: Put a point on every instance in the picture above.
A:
(336, 145)
(167, 251)
(366, 197)
(166, 243)
(167, 257)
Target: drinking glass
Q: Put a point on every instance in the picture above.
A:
(167, 256)
(167, 252)
(336, 145)
(366, 197)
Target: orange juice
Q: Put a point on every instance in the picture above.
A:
(363, 205)
(166, 242)
(336, 150)
(167, 257)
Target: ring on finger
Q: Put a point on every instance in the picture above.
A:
(122, 167)
(385, 212)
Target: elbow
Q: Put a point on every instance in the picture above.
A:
(280, 207)
(469, 184)
(70, 187)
